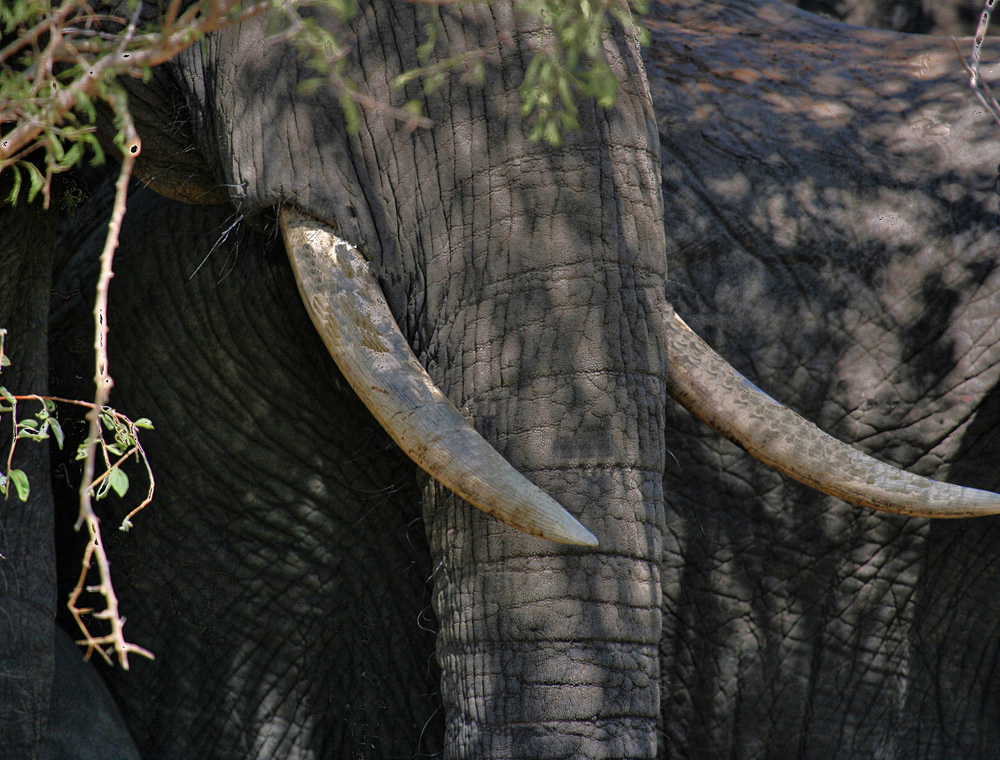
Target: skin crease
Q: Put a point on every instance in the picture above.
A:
(793, 624)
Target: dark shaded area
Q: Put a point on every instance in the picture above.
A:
(27, 579)
(285, 524)
(957, 18)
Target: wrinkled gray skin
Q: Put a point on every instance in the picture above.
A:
(842, 258)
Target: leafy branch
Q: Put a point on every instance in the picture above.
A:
(124, 445)
(570, 62)
(67, 61)
(64, 59)
(575, 65)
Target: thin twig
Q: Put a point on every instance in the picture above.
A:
(102, 379)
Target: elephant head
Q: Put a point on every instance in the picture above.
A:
(500, 307)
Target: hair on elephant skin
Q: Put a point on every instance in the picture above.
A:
(824, 196)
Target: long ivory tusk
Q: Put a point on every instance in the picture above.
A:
(351, 315)
(707, 386)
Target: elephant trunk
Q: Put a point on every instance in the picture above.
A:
(550, 653)
(547, 650)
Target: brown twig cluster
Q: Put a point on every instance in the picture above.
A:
(126, 445)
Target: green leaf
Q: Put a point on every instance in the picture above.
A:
(74, 155)
(311, 85)
(8, 395)
(352, 114)
(551, 133)
(37, 180)
(55, 145)
(143, 423)
(477, 74)
(102, 489)
(404, 79)
(414, 107)
(16, 189)
(275, 23)
(85, 104)
(431, 30)
(57, 431)
(119, 481)
(20, 480)
(98, 158)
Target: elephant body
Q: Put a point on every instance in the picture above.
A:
(831, 228)
(844, 257)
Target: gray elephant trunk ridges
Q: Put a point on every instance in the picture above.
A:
(707, 386)
(350, 313)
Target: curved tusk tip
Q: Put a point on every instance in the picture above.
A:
(587, 538)
(571, 531)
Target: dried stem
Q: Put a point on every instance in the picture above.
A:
(95, 546)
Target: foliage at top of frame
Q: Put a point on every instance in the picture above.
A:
(58, 59)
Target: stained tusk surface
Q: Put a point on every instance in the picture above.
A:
(350, 313)
(707, 386)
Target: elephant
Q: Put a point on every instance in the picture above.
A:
(309, 592)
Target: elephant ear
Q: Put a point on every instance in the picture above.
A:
(351, 315)
(708, 387)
